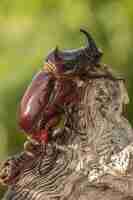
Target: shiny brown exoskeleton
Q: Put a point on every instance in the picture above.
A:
(54, 87)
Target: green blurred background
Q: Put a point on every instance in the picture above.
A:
(29, 29)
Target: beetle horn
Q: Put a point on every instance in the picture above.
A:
(91, 43)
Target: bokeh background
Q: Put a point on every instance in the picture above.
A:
(30, 28)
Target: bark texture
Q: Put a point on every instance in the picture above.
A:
(90, 159)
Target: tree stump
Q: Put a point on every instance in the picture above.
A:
(90, 159)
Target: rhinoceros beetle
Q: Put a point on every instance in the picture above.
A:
(54, 87)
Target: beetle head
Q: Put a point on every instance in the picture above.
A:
(75, 60)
